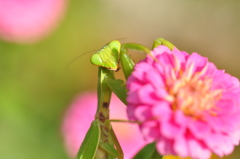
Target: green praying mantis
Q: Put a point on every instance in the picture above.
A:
(100, 141)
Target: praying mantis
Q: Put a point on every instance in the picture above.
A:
(100, 141)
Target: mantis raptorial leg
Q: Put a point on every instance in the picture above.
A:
(102, 114)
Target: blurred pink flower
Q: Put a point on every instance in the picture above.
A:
(81, 113)
(185, 104)
(28, 21)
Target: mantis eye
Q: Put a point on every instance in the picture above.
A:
(96, 60)
(115, 45)
(108, 56)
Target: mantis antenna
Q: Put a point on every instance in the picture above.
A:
(76, 58)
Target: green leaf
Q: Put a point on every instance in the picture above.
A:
(146, 152)
(110, 149)
(91, 141)
(118, 87)
(156, 155)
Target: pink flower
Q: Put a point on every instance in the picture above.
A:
(81, 113)
(185, 104)
(29, 20)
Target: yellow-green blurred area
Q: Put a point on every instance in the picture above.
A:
(37, 84)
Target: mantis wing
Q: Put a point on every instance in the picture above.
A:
(91, 141)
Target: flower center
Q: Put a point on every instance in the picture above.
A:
(194, 96)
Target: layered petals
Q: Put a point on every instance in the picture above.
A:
(185, 104)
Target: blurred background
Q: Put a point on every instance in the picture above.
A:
(37, 83)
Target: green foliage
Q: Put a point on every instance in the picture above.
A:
(156, 155)
(148, 152)
(145, 152)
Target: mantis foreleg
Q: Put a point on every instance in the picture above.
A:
(126, 62)
(108, 140)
